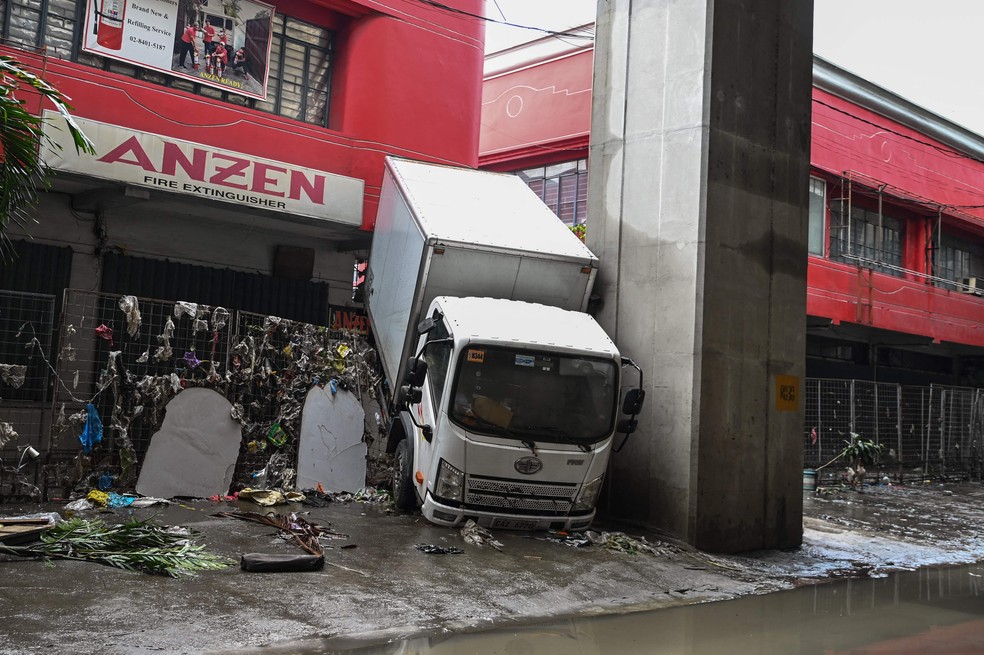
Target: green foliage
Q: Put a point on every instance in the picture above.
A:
(579, 230)
(22, 170)
(859, 450)
(133, 546)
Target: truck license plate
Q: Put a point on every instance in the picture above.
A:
(512, 524)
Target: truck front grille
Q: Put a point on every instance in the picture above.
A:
(519, 496)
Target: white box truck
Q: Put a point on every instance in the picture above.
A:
(502, 394)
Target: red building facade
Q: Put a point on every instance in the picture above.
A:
(200, 167)
(896, 264)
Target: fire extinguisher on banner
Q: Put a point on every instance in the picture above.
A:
(109, 27)
(196, 58)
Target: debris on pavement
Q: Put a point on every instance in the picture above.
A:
(149, 501)
(264, 497)
(479, 536)
(270, 563)
(290, 527)
(370, 495)
(133, 546)
(268, 497)
(16, 530)
(79, 505)
(297, 530)
(621, 542)
(317, 498)
(433, 549)
(109, 499)
(575, 540)
(617, 541)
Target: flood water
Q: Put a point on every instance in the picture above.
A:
(932, 611)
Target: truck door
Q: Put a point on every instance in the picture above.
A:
(437, 354)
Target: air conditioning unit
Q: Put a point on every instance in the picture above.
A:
(974, 285)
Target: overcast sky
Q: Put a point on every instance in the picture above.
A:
(927, 51)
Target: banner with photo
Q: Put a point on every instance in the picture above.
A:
(221, 43)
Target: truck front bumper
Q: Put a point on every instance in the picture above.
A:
(442, 514)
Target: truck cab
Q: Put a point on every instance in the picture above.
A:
(511, 408)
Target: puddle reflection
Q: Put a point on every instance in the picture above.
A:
(927, 612)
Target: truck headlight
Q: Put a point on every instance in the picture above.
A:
(450, 483)
(588, 496)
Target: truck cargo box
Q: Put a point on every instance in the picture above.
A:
(460, 232)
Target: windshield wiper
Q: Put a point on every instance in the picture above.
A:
(498, 429)
(553, 430)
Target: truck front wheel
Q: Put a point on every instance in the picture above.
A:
(404, 495)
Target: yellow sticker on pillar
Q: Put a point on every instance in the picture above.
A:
(787, 393)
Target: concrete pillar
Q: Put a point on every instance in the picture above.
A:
(699, 168)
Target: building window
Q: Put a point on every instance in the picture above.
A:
(818, 215)
(860, 234)
(959, 260)
(562, 187)
(298, 83)
(300, 71)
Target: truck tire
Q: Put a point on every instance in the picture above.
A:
(404, 494)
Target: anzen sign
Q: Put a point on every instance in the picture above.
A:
(151, 160)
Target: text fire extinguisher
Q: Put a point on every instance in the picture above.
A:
(109, 27)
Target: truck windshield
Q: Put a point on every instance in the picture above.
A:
(533, 395)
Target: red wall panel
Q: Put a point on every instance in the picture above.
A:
(847, 137)
(540, 109)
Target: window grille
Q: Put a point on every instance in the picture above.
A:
(562, 187)
(299, 68)
(860, 233)
(958, 259)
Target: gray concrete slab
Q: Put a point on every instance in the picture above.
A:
(194, 453)
(330, 451)
(390, 589)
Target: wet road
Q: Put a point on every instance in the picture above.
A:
(385, 589)
(929, 612)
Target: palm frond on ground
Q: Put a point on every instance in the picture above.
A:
(134, 546)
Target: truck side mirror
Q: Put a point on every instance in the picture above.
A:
(634, 399)
(416, 373)
(426, 325)
(429, 324)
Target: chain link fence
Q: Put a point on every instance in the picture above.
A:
(936, 430)
(26, 334)
(127, 357)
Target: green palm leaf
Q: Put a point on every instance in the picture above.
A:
(133, 546)
(22, 171)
